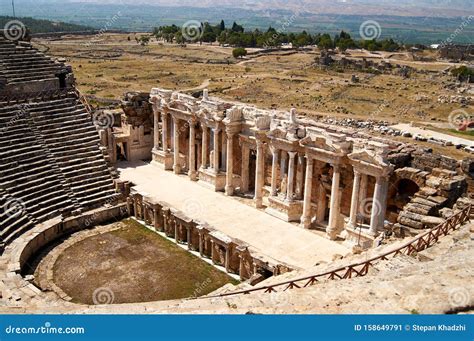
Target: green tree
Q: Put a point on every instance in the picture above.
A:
(239, 52)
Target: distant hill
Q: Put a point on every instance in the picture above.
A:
(45, 26)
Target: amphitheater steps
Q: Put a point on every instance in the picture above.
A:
(70, 136)
(11, 225)
(28, 173)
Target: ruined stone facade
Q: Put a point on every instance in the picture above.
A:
(345, 182)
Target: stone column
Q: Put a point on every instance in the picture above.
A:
(216, 149)
(229, 186)
(204, 151)
(227, 255)
(275, 152)
(224, 151)
(259, 174)
(188, 237)
(176, 165)
(300, 177)
(376, 219)
(192, 151)
(321, 199)
(291, 176)
(164, 135)
(245, 167)
(241, 267)
(306, 217)
(332, 228)
(155, 219)
(364, 182)
(355, 199)
(156, 130)
(383, 202)
(201, 244)
(283, 165)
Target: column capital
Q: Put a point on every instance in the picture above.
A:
(336, 167)
(274, 150)
(192, 121)
(292, 154)
(309, 159)
(260, 143)
(230, 134)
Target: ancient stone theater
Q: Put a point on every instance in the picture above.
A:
(273, 198)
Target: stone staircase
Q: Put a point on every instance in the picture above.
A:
(50, 164)
(441, 189)
(22, 63)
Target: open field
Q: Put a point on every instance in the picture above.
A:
(109, 65)
(136, 265)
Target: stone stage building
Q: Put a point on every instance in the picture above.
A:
(351, 185)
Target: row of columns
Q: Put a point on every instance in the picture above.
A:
(290, 176)
(359, 191)
(378, 201)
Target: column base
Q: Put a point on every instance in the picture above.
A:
(229, 191)
(290, 211)
(306, 222)
(331, 235)
(177, 169)
(163, 158)
(258, 202)
(193, 175)
(359, 238)
(209, 178)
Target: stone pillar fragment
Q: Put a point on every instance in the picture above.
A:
(204, 146)
(216, 149)
(355, 199)
(291, 176)
(306, 217)
(176, 164)
(229, 186)
(332, 228)
(192, 151)
(275, 152)
(245, 167)
(156, 130)
(259, 174)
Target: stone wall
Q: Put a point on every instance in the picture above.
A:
(234, 255)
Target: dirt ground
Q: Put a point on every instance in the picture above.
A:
(133, 264)
(110, 64)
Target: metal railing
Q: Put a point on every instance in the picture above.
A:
(420, 243)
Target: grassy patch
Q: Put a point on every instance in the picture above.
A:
(136, 265)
